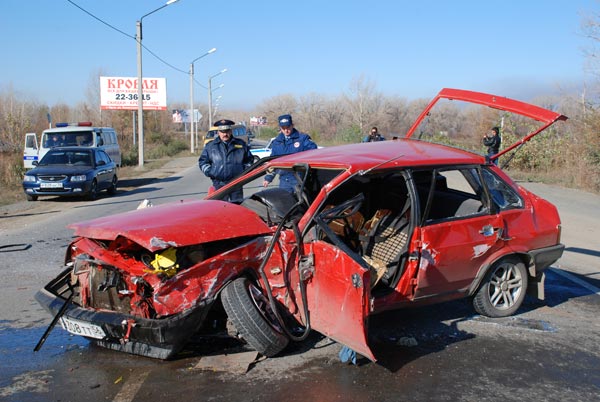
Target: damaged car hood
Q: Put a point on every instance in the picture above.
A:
(176, 224)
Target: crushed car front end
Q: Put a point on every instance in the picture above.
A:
(140, 294)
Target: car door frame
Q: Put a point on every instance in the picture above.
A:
(471, 240)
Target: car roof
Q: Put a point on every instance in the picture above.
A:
(394, 153)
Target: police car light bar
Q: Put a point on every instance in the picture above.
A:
(80, 124)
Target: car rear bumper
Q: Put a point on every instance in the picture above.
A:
(158, 338)
(544, 257)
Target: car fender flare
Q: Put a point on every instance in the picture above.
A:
(485, 267)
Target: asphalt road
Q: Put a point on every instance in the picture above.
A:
(549, 351)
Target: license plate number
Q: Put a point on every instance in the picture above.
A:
(51, 185)
(82, 328)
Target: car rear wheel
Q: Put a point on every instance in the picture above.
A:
(249, 310)
(112, 190)
(31, 197)
(93, 193)
(503, 289)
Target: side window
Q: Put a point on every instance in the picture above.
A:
(503, 196)
(30, 142)
(449, 194)
(105, 157)
(99, 156)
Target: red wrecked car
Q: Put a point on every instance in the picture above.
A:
(370, 228)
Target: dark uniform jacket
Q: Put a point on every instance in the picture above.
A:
(222, 162)
(284, 145)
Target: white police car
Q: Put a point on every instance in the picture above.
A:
(259, 153)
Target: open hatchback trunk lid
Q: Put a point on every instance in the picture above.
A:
(544, 116)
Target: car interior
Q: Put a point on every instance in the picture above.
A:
(370, 216)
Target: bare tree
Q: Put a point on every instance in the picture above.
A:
(273, 107)
(364, 103)
(333, 118)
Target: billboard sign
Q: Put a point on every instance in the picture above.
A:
(258, 121)
(121, 93)
(183, 115)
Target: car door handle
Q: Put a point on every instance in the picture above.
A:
(489, 230)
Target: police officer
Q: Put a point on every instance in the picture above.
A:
(225, 158)
(289, 141)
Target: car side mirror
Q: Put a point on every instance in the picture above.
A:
(101, 163)
(35, 163)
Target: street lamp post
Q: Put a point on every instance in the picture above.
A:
(140, 82)
(214, 49)
(210, 95)
(214, 113)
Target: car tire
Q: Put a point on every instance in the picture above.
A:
(31, 197)
(503, 289)
(93, 193)
(249, 310)
(112, 190)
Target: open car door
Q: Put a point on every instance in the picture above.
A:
(30, 151)
(338, 298)
(339, 291)
(546, 117)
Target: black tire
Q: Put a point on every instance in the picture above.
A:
(112, 190)
(249, 310)
(31, 197)
(503, 289)
(93, 193)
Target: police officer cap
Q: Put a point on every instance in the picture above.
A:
(224, 124)
(285, 120)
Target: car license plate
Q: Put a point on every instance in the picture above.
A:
(51, 185)
(82, 328)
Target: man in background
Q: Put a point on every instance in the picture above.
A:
(373, 136)
(492, 140)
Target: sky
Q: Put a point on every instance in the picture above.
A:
(53, 51)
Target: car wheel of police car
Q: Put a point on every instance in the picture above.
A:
(249, 310)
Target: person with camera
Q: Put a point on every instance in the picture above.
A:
(492, 140)
(374, 136)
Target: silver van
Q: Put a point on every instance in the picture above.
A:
(81, 134)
